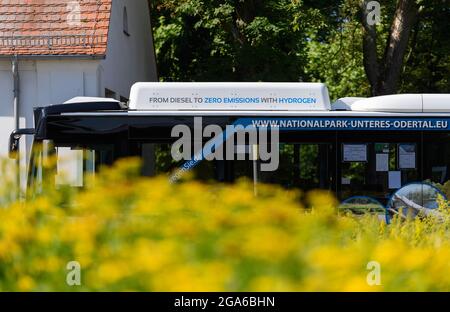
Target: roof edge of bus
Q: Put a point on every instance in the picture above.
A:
(81, 107)
(397, 103)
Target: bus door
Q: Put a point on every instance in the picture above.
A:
(376, 164)
(436, 155)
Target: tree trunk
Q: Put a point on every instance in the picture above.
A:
(384, 74)
(371, 63)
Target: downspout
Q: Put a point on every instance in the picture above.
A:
(15, 71)
(16, 103)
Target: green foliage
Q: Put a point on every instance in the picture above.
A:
(427, 64)
(339, 62)
(232, 40)
(293, 40)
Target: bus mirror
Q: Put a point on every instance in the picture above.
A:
(14, 141)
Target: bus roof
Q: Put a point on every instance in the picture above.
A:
(296, 97)
(399, 103)
(246, 99)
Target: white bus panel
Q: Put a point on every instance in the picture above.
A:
(230, 96)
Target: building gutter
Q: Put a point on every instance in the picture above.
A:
(16, 91)
(16, 106)
(57, 57)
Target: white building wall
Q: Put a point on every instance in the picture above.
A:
(59, 81)
(129, 59)
(43, 82)
(55, 80)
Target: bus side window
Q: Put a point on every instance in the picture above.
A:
(156, 159)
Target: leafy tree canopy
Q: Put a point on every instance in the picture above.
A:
(296, 40)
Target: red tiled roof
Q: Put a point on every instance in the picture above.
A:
(54, 27)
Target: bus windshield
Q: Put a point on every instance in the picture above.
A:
(66, 164)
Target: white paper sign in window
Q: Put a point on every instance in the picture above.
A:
(355, 153)
(407, 156)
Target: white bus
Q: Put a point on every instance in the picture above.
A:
(353, 147)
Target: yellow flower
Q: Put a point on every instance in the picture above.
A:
(110, 272)
(25, 283)
(131, 233)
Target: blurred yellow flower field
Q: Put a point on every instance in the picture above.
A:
(135, 234)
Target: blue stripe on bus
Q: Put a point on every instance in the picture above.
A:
(320, 124)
